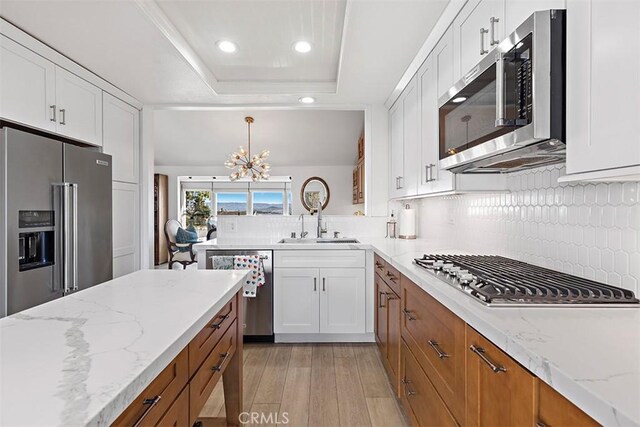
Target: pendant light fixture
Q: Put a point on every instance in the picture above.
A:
(246, 165)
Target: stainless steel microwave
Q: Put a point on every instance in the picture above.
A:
(508, 112)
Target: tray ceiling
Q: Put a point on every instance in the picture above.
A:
(264, 33)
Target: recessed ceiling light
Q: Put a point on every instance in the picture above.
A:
(459, 99)
(307, 100)
(302, 47)
(227, 46)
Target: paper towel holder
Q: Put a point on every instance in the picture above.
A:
(406, 236)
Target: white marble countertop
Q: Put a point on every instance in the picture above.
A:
(589, 355)
(82, 359)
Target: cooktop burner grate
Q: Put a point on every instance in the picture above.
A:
(500, 280)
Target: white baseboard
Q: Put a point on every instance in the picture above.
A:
(324, 338)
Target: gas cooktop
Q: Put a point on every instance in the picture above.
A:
(500, 281)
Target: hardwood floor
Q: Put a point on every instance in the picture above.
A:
(312, 385)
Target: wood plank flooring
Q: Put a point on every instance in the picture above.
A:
(326, 385)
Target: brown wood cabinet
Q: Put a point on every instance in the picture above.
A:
(178, 394)
(436, 337)
(419, 397)
(160, 217)
(387, 320)
(449, 374)
(358, 174)
(554, 410)
(500, 392)
(157, 398)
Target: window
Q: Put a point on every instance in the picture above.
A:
(268, 203)
(231, 203)
(197, 210)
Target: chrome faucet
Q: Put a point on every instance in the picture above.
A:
(303, 233)
(321, 230)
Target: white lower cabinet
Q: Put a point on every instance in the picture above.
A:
(342, 300)
(318, 300)
(296, 302)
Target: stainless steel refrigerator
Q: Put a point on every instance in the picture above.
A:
(56, 224)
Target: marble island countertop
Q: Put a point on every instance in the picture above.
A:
(82, 359)
(590, 355)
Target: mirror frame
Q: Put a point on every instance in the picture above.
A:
(326, 200)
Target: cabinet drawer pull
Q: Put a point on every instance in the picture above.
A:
(380, 299)
(63, 113)
(408, 314)
(392, 277)
(493, 21)
(378, 265)
(315, 284)
(434, 345)
(324, 284)
(481, 354)
(151, 402)
(224, 357)
(222, 319)
(483, 51)
(53, 113)
(407, 390)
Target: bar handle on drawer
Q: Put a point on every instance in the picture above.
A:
(151, 402)
(380, 299)
(407, 390)
(222, 319)
(434, 345)
(408, 314)
(378, 265)
(392, 277)
(224, 357)
(481, 354)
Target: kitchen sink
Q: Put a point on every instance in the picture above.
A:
(320, 240)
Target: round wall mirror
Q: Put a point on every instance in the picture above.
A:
(314, 191)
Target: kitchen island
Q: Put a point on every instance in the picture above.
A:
(590, 355)
(84, 358)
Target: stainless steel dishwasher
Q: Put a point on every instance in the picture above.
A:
(258, 311)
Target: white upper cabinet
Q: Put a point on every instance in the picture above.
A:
(477, 29)
(121, 137)
(411, 120)
(37, 93)
(27, 86)
(79, 105)
(342, 300)
(603, 88)
(517, 11)
(396, 148)
(404, 130)
(432, 179)
(443, 62)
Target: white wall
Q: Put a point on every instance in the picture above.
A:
(589, 230)
(339, 180)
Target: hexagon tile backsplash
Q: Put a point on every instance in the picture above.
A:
(589, 230)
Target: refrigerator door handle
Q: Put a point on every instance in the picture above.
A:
(67, 237)
(74, 190)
